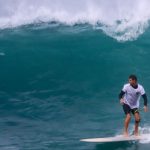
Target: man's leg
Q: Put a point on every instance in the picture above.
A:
(126, 124)
(137, 120)
(127, 111)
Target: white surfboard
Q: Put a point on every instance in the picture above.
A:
(118, 138)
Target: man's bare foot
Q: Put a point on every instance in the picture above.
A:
(126, 134)
(136, 134)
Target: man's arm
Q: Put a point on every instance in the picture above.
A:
(121, 97)
(145, 102)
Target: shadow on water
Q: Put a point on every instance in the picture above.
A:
(117, 145)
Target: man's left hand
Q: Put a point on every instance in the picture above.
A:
(145, 108)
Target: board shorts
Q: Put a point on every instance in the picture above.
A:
(127, 109)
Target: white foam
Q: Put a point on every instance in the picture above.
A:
(143, 131)
(122, 20)
(145, 134)
(2, 54)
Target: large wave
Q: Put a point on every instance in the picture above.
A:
(122, 20)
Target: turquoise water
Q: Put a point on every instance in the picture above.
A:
(60, 83)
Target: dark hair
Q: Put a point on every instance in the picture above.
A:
(133, 77)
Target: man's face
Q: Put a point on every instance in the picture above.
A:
(132, 82)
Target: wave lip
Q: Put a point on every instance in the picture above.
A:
(125, 31)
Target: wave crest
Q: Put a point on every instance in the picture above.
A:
(120, 20)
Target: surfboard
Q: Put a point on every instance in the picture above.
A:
(118, 138)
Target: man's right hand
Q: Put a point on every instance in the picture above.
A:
(121, 101)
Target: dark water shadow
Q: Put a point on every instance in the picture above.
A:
(117, 145)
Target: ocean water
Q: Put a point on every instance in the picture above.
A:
(62, 68)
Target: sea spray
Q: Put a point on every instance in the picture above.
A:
(122, 20)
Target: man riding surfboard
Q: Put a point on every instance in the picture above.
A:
(129, 99)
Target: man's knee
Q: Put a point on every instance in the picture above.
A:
(137, 117)
(137, 120)
(128, 116)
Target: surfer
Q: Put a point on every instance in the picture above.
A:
(129, 99)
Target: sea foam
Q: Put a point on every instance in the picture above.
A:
(122, 20)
